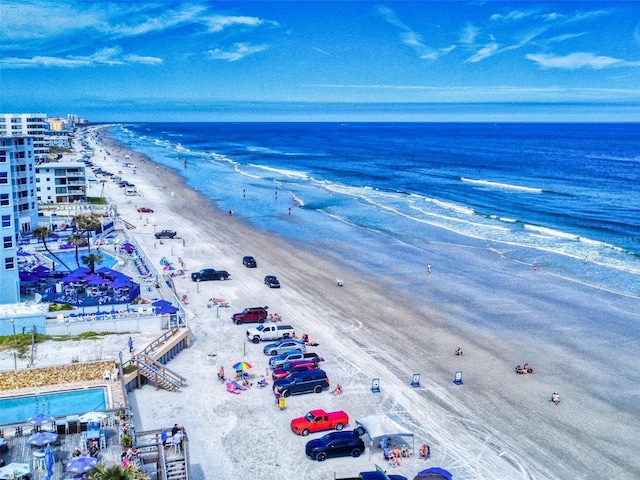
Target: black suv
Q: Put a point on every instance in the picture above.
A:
(209, 274)
(271, 281)
(302, 382)
(336, 444)
(249, 262)
(166, 234)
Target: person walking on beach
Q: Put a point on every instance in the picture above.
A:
(277, 394)
(428, 269)
(130, 343)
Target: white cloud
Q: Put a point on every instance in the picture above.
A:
(218, 23)
(469, 34)
(514, 15)
(144, 60)
(105, 56)
(484, 52)
(411, 38)
(238, 52)
(573, 61)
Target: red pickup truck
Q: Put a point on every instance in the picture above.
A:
(317, 420)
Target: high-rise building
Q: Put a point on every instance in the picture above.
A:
(18, 208)
(27, 125)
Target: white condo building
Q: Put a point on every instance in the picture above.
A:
(61, 182)
(27, 125)
(18, 208)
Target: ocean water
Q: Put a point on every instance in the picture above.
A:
(554, 196)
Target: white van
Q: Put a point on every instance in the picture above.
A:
(130, 191)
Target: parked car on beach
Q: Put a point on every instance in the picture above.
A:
(145, 210)
(318, 420)
(249, 262)
(209, 274)
(336, 444)
(166, 234)
(314, 381)
(280, 361)
(297, 366)
(250, 315)
(284, 346)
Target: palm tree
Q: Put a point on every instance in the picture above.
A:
(91, 260)
(77, 240)
(42, 233)
(87, 224)
(116, 472)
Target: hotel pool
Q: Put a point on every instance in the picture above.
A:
(69, 402)
(69, 257)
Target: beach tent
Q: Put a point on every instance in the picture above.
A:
(434, 473)
(379, 427)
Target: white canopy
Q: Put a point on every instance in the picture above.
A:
(383, 426)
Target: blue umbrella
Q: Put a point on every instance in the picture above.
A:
(42, 438)
(81, 464)
(40, 419)
(49, 461)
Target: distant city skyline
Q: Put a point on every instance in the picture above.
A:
(322, 61)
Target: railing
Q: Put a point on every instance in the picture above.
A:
(160, 370)
(159, 341)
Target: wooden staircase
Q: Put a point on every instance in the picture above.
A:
(159, 463)
(176, 468)
(158, 374)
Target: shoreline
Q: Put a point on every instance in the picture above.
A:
(385, 322)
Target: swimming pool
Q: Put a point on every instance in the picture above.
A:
(69, 257)
(56, 404)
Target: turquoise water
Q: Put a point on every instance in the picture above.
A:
(69, 258)
(18, 409)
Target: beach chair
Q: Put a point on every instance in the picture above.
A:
(232, 388)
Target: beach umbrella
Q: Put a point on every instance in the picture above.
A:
(72, 277)
(166, 309)
(434, 473)
(128, 247)
(105, 270)
(28, 277)
(97, 281)
(242, 366)
(49, 461)
(81, 464)
(42, 438)
(40, 419)
(90, 417)
(41, 271)
(15, 470)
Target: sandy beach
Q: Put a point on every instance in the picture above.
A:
(497, 425)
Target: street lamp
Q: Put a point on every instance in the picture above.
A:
(15, 338)
(15, 343)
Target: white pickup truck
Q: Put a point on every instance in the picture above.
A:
(265, 331)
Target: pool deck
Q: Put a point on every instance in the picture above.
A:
(16, 450)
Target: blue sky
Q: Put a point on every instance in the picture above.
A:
(328, 60)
